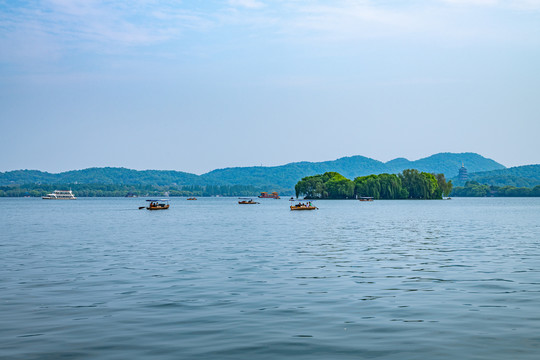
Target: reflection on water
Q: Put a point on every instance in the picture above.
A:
(98, 278)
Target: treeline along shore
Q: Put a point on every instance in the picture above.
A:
(475, 189)
(410, 184)
(120, 190)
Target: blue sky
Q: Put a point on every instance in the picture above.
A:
(199, 85)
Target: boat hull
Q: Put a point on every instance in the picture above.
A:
(297, 208)
(158, 207)
(55, 198)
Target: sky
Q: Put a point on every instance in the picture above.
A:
(199, 85)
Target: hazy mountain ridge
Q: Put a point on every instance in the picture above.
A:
(105, 175)
(518, 176)
(446, 163)
(288, 175)
(351, 167)
(283, 176)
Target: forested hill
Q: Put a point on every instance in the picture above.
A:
(107, 175)
(284, 176)
(519, 176)
(445, 163)
(351, 167)
(288, 175)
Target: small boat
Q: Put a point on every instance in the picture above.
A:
(192, 198)
(247, 201)
(365, 198)
(265, 195)
(162, 204)
(60, 195)
(302, 206)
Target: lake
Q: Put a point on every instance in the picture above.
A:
(96, 278)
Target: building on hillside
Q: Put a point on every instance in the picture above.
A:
(462, 176)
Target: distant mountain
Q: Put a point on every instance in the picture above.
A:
(519, 176)
(445, 163)
(288, 175)
(275, 177)
(105, 175)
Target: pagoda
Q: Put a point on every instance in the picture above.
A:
(463, 173)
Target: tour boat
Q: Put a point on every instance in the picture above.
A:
(365, 198)
(192, 198)
(265, 195)
(302, 206)
(60, 195)
(162, 204)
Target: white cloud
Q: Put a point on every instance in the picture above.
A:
(120, 23)
(250, 4)
(456, 21)
(51, 27)
(526, 4)
(504, 4)
(472, 2)
(354, 19)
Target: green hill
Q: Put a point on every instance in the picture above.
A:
(105, 175)
(446, 163)
(273, 178)
(519, 176)
(351, 167)
(286, 176)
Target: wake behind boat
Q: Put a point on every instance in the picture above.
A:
(60, 195)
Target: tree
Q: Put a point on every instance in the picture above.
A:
(390, 187)
(446, 187)
(340, 187)
(367, 186)
(311, 187)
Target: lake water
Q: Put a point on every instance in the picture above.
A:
(212, 279)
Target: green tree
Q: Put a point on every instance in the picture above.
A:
(339, 187)
(446, 187)
(311, 187)
(390, 187)
(367, 186)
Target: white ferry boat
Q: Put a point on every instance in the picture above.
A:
(60, 195)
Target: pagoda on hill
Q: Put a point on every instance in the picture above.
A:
(463, 173)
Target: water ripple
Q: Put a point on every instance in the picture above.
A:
(395, 280)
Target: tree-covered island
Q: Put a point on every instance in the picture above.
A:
(410, 184)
